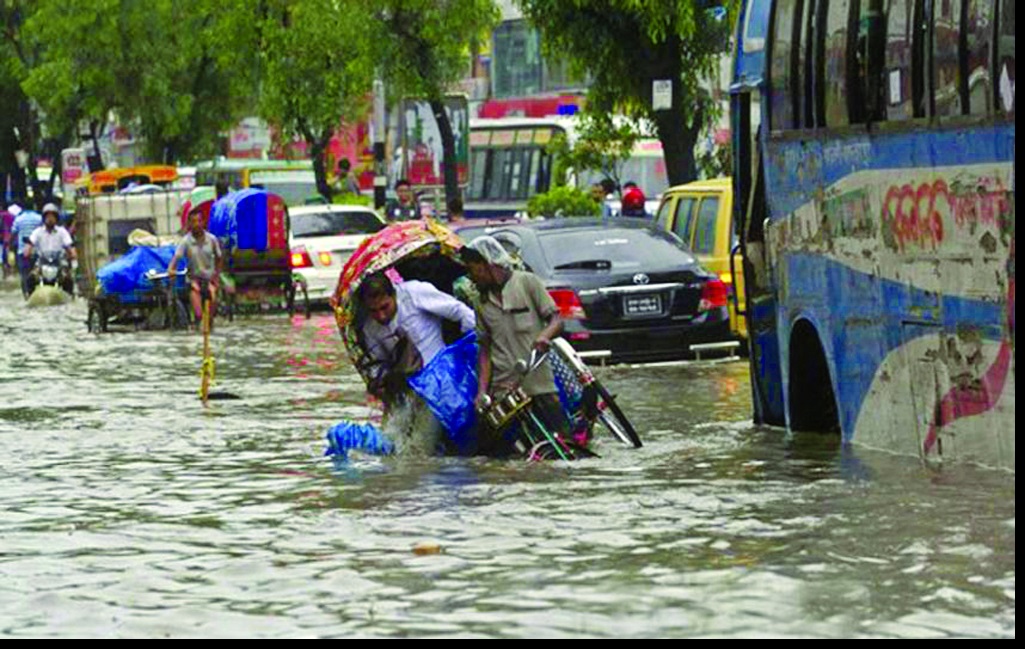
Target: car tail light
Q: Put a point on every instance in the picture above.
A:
(300, 258)
(713, 296)
(325, 258)
(570, 307)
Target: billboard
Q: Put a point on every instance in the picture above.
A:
(420, 155)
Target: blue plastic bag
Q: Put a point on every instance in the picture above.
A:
(125, 277)
(347, 436)
(448, 385)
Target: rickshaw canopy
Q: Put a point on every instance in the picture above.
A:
(392, 246)
(251, 219)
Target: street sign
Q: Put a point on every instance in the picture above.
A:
(662, 94)
(74, 165)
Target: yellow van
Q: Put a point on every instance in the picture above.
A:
(701, 213)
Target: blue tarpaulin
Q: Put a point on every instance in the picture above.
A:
(240, 219)
(125, 277)
(448, 385)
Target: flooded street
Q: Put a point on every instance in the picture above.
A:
(130, 510)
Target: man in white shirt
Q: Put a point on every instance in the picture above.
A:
(403, 332)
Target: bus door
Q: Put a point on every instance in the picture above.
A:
(761, 300)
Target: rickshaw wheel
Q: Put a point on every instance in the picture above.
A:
(177, 314)
(290, 297)
(614, 419)
(96, 320)
(300, 287)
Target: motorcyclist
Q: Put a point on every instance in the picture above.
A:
(49, 239)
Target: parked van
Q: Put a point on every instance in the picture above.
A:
(701, 213)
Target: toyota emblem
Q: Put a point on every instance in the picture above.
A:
(641, 279)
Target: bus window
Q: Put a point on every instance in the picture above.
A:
(900, 58)
(946, 63)
(683, 224)
(498, 188)
(755, 20)
(516, 188)
(781, 104)
(705, 225)
(867, 103)
(815, 64)
(478, 173)
(803, 104)
(535, 171)
(837, 61)
(1005, 58)
(978, 29)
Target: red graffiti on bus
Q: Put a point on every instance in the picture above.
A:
(912, 214)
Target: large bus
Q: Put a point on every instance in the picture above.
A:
(510, 163)
(874, 185)
(293, 180)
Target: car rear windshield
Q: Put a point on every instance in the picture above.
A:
(333, 224)
(614, 249)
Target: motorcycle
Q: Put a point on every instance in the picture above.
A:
(52, 269)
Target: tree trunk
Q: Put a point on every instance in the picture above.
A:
(678, 139)
(318, 149)
(27, 143)
(448, 146)
(95, 161)
(13, 173)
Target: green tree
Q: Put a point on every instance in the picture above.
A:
(423, 49)
(601, 145)
(563, 201)
(191, 71)
(19, 116)
(75, 79)
(175, 72)
(317, 71)
(626, 45)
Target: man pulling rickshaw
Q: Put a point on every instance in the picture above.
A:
(526, 411)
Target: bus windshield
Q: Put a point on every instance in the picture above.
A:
(296, 187)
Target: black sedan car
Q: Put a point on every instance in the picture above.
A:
(621, 286)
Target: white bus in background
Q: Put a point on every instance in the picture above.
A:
(509, 164)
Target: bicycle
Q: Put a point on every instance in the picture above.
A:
(596, 401)
(532, 439)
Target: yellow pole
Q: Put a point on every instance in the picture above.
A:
(207, 371)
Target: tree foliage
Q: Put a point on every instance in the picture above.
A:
(602, 144)
(175, 72)
(628, 44)
(422, 48)
(179, 73)
(317, 71)
(563, 201)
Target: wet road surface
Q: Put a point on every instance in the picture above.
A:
(130, 510)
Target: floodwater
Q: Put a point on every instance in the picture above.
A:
(129, 509)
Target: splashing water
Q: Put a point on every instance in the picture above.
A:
(415, 431)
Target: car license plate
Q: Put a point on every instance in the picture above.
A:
(642, 305)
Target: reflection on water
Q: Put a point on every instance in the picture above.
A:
(130, 510)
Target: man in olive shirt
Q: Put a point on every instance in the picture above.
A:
(515, 315)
